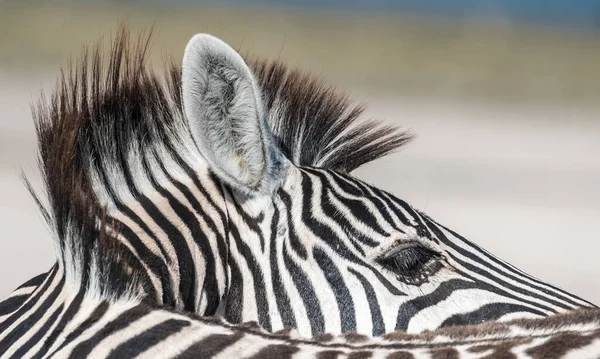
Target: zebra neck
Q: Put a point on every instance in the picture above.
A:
(54, 321)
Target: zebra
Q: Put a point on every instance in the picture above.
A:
(224, 190)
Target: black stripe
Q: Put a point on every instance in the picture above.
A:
(148, 338)
(485, 313)
(235, 295)
(307, 293)
(363, 354)
(279, 351)
(83, 349)
(260, 296)
(386, 283)
(210, 346)
(330, 354)
(35, 281)
(295, 242)
(94, 156)
(13, 303)
(338, 286)
(376, 316)
(281, 297)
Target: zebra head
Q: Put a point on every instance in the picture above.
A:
(309, 246)
(225, 189)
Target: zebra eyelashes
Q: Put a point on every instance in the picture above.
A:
(412, 263)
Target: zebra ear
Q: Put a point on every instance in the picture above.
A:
(222, 104)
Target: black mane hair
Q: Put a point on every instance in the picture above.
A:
(318, 126)
(102, 107)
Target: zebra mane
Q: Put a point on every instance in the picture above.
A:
(318, 126)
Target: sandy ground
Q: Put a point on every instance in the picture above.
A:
(522, 181)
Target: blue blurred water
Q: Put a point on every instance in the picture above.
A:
(570, 13)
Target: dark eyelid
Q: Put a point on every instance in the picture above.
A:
(417, 254)
(400, 247)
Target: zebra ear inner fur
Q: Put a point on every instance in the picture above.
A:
(222, 104)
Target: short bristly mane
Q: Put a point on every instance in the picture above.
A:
(103, 110)
(317, 125)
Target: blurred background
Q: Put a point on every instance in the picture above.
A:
(503, 95)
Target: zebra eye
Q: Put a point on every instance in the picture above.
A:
(408, 262)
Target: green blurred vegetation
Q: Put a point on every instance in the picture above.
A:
(404, 54)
